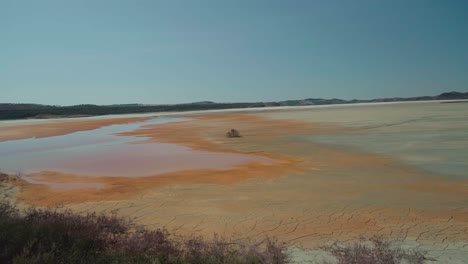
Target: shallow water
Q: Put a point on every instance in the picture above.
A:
(432, 136)
(100, 152)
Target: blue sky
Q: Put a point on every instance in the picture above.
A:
(104, 52)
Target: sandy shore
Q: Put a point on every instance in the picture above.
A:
(311, 194)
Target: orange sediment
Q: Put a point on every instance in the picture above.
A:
(183, 133)
(311, 192)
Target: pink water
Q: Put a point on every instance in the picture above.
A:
(101, 153)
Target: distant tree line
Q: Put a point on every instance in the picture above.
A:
(12, 111)
(21, 111)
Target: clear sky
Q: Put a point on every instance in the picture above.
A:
(103, 52)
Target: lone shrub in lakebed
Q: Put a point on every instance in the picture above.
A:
(233, 133)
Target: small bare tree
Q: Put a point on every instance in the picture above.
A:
(233, 133)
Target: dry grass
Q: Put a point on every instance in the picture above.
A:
(375, 250)
(47, 236)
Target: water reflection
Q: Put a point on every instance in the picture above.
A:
(100, 152)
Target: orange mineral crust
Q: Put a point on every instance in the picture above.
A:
(309, 194)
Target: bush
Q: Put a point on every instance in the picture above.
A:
(4, 177)
(374, 251)
(233, 133)
(46, 236)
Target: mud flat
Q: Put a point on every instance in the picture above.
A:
(44, 128)
(316, 188)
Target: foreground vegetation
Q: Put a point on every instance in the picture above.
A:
(373, 251)
(45, 236)
(50, 236)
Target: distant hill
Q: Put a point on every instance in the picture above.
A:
(21, 111)
(22, 106)
(452, 96)
(319, 101)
